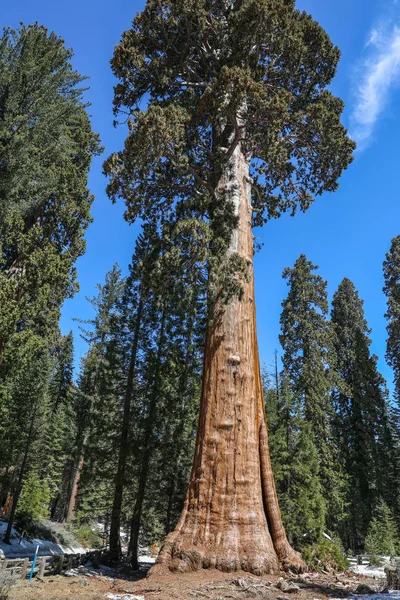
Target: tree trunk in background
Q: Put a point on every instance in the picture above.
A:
(70, 508)
(115, 544)
(17, 493)
(231, 518)
(147, 452)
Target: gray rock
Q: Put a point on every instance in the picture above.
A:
(364, 588)
(288, 587)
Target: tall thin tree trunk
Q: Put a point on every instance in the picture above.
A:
(7, 537)
(231, 518)
(115, 545)
(70, 507)
(147, 453)
(171, 491)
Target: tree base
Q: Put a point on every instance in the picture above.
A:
(175, 559)
(179, 560)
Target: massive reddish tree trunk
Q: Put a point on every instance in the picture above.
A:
(231, 518)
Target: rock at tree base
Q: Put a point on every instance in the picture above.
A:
(287, 586)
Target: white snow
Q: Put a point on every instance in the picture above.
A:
(391, 595)
(124, 597)
(144, 558)
(369, 571)
(89, 571)
(27, 547)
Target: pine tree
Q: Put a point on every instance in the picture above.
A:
(391, 272)
(382, 536)
(26, 400)
(57, 434)
(177, 309)
(96, 403)
(233, 127)
(46, 147)
(361, 422)
(305, 339)
(296, 464)
(133, 316)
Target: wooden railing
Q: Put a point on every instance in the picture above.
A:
(49, 565)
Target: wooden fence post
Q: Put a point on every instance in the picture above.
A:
(42, 566)
(25, 568)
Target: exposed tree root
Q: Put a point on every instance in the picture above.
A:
(194, 560)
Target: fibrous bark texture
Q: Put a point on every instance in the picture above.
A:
(231, 518)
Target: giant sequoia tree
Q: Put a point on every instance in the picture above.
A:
(239, 127)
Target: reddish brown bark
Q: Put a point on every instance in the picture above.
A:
(231, 518)
(74, 490)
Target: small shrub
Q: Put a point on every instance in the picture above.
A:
(7, 580)
(87, 536)
(325, 554)
(45, 530)
(375, 560)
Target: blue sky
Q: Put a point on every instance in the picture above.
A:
(346, 233)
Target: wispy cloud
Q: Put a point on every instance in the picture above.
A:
(377, 77)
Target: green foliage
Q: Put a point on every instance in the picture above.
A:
(217, 77)
(35, 497)
(391, 272)
(88, 536)
(296, 465)
(44, 529)
(46, 148)
(361, 415)
(383, 535)
(306, 342)
(325, 555)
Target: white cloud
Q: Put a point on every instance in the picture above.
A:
(377, 77)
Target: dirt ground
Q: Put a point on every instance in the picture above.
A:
(201, 585)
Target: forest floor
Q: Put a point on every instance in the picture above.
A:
(200, 585)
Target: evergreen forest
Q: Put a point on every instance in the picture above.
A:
(229, 122)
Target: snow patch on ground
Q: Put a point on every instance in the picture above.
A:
(369, 571)
(146, 559)
(27, 547)
(391, 595)
(123, 597)
(89, 571)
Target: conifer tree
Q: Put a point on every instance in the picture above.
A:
(57, 435)
(133, 322)
(361, 422)
(296, 464)
(239, 122)
(97, 397)
(46, 147)
(305, 339)
(26, 401)
(382, 536)
(176, 308)
(391, 272)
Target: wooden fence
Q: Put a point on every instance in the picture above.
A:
(48, 565)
